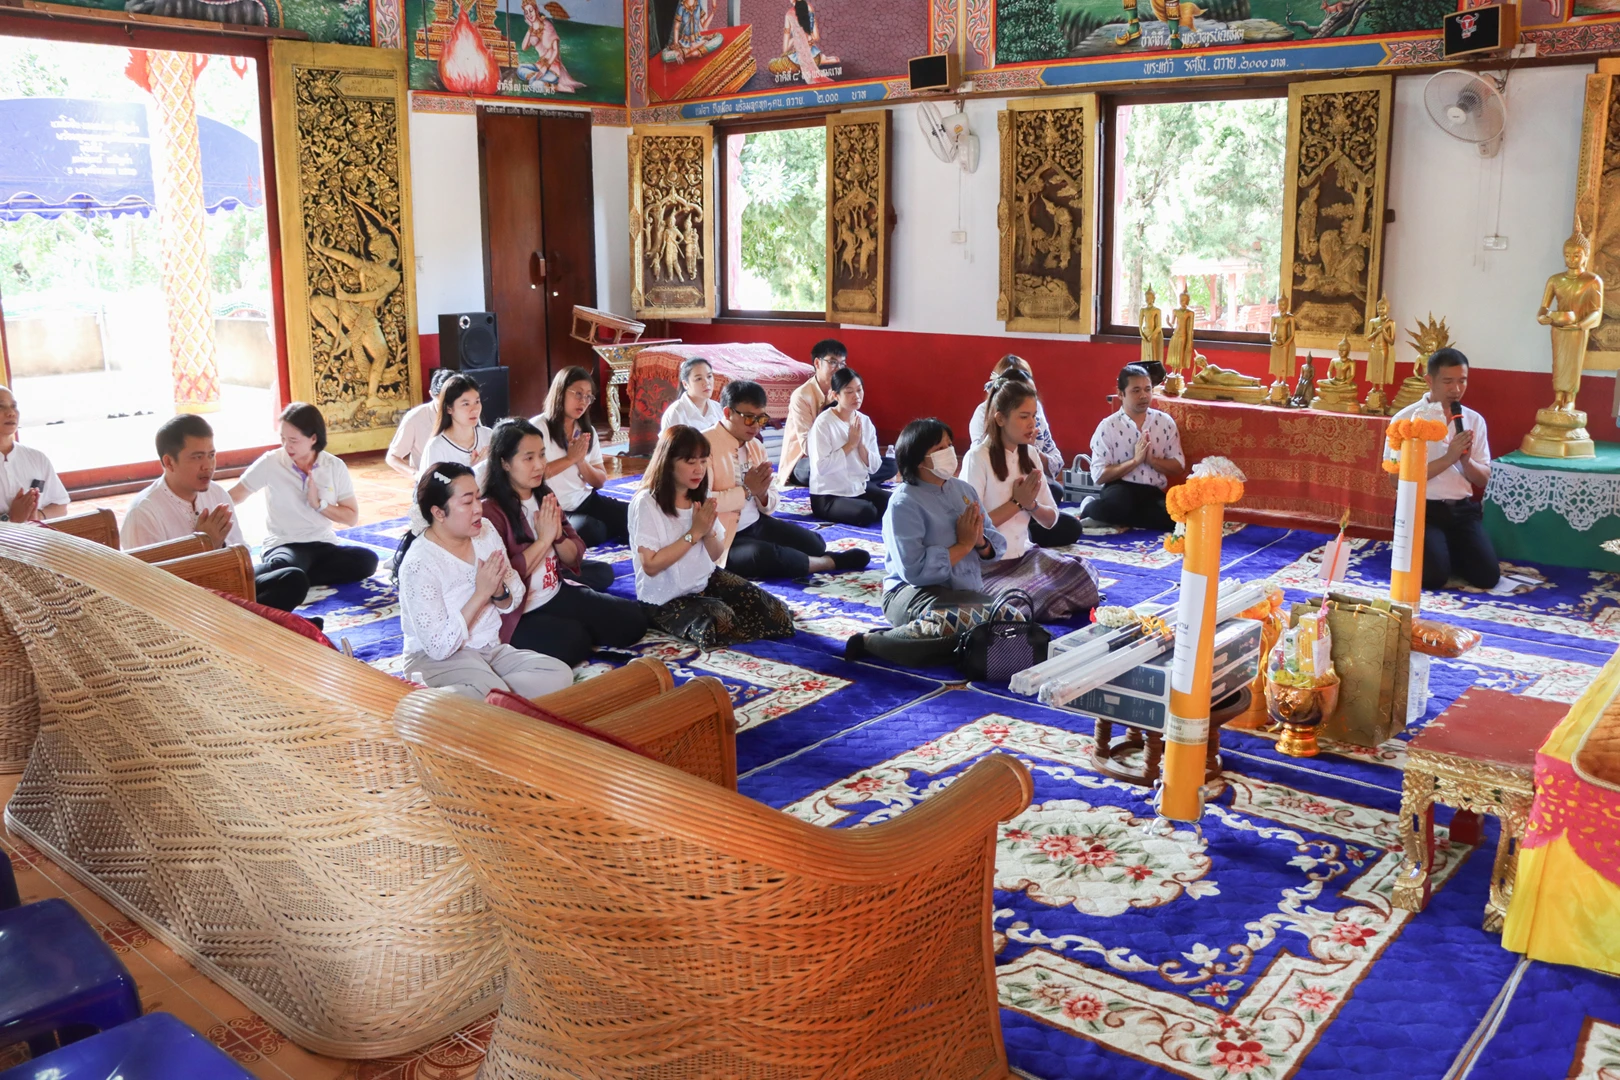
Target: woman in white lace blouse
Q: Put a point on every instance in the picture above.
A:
(454, 584)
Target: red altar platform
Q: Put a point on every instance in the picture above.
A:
(1301, 463)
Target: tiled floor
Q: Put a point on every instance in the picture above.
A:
(169, 984)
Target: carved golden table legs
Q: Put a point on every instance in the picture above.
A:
(620, 377)
(1472, 788)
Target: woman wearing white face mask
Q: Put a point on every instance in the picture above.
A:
(937, 536)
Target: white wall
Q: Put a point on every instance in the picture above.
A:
(446, 216)
(1447, 198)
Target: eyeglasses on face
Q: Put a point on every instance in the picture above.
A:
(753, 419)
(582, 395)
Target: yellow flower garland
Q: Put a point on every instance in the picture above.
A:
(1411, 428)
(1195, 492)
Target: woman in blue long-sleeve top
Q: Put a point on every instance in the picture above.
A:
(936, 534)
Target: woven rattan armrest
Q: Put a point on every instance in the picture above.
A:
(691, 729)
(99, 526)
(164, 550)
(640, 679)
(226, 570)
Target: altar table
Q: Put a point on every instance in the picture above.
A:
(1300, 463)
(1555, 510)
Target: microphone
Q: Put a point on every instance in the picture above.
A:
(1456, 416)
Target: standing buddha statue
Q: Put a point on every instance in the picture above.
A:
(1571, 305)
(1380, 359)
(1180, 356)
(1282, 353)
(1151, 328)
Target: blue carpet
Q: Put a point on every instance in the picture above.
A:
(1273, 952)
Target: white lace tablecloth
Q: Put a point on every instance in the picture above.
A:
(1581, 498)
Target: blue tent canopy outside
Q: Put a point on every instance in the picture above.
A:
(76, 156)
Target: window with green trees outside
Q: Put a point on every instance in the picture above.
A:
(1197, 204)
(775, 231)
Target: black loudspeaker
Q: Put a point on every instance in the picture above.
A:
(468, 341)
(939, 72)
(1488, 29)
(493, 388)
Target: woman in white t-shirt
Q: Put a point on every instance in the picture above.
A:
(675, 538)
(558, 618)
(1049, 456)
(697, 407)
(844, 457)
(455, 583)
(1005, 471)
(458, 436)
(307, 493)
(574, 460)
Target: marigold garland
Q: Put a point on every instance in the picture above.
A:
(1264, 609)
(1175, 545)
(1411, 427)
(1198, 491)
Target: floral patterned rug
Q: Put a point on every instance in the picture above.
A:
(1271, 951)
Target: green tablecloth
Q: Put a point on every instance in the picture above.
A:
(1557, 511)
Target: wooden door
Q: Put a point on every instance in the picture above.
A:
(514, 251)
(568, 212)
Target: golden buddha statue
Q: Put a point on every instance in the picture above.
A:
(1337, 392)
(1211, 382)
(1151, 327)
(1179, 356)
(1380, 359)
(1428, 338)
(1571, 305)
(1282, 353)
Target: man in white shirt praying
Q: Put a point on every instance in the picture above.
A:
(185, 499)
(1454, 538)
(1135, 453)
(29, 487)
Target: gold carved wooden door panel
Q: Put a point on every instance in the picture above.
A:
(1333, 206)
(1047, 212)
(1597, 206)
(858, 216)
(672, 222)
(343, 179)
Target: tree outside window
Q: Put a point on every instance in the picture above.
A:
(776, 221)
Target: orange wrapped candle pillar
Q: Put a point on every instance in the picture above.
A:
(1410, 439)
(1199, 504)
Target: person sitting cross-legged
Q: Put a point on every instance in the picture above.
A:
(186, 500)
(757, 543)
(1135, 454)
(844, 457)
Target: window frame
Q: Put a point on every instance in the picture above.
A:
(1107, 193)
(722, 135)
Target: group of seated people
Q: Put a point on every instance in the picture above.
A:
(496, 590)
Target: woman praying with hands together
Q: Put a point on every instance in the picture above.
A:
(459, 436)
(675, 538)
(574, 460)
(455, 583)
(697, 407)
(844, 456)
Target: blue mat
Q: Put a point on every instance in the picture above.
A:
(1274, 952)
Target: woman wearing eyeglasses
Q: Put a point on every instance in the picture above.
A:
(574, 470)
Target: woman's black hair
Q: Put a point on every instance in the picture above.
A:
(691, 362)
(432, 493)
(915, 443)
(503, 446)
(557, 396)
(801, 12)
(841, 378)
(308, 419)
(678, 443)
(450, 393)
(1006, 396)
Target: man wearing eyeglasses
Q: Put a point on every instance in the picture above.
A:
(757, 544)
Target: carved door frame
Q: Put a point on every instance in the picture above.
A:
(875, 284)
(374, 75)
(644, 279)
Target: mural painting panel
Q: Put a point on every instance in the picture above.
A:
(562, 50)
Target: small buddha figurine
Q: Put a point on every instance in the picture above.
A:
(1180, 355)
(1151, 328)
(1380, 359)
(1337, 393)
(1282, 353)
(1571, 305)
(1305, 388)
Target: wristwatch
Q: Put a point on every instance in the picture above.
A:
(688, 538)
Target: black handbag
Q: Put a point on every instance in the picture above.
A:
(999, 648)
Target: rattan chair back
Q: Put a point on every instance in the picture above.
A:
(97, 526)
(226, 570)
(664, 928)
(178, 548)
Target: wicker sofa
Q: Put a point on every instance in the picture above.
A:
(664, 928)
(239, 791)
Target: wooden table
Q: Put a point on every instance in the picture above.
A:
(1109, 757)
(1478, 756)
(1300, 463)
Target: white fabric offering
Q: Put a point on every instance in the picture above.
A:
(414, 433)
(682, 411)
(992, 493)
(833, 470)
(1450, 484)
(434, 585)
(1581, 499)
(441, 448)
(1115, 439)
(655, 530)
(20, 468)
(543, 583)
(289, 519)
(158, 514)
(569, 487)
